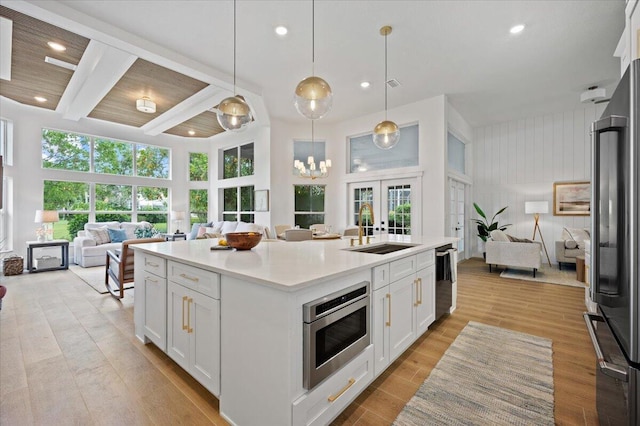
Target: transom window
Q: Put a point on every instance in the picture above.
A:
(364, 156)
(237, 161)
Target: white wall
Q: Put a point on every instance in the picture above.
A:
(519, 161)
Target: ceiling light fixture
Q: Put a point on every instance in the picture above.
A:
(365, 84)
(281, 30)
(516, 29)
(191, 132)
(386, 134)
(56, 46)
(312, 172)
(233, 112)
(313, 96)
(145, 104)
(40, 99)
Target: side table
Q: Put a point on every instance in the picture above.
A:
(174, 237)
(580, 268)
(64, 247)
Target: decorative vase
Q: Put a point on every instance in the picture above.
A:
(41, 238)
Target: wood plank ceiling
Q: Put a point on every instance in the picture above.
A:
(31, 76)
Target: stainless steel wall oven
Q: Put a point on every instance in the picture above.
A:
(336, 329)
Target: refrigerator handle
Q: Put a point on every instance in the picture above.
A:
(607, 368)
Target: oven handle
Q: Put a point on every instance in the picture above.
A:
(607, 368)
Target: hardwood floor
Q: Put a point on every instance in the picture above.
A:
(68, 355)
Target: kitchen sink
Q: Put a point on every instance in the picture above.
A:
(382, 248)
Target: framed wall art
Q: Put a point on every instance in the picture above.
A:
(572, 198)
(262, 200)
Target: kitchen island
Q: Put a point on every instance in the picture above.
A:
(234, 319)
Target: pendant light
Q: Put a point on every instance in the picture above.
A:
(233, 112)
(313, 97)
(312, 172)
(386, 134)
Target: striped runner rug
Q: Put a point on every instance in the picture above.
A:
(488, 376)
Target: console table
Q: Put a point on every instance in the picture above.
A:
(64, 247)
(173, 237)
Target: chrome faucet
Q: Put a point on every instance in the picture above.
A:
(360, 221)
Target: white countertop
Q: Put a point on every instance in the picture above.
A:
(287, 265)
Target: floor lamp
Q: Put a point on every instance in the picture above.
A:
(536, 208)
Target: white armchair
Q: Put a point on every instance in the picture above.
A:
(502, 251)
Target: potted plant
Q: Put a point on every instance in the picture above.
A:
(485, 226)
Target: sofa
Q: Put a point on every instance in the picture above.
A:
(91, 245)
(503, 249)
(571, 245)
(219, 228)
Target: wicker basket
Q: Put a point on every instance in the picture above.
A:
(13, 265)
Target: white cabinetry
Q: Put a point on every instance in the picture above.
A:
(193, 321)
(154, 292)
(403, 305)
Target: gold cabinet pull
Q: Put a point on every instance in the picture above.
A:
(189, 328)
(151, 279)
(343, 390)
(389, 322)
(420, 287)
(184, 323)
(417, 283)
(153, 265)
(194, 279)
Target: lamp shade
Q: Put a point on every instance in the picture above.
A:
(386, 134)
(313, 97)
(234, 114)
(178, 215)
(533, 207)
(46, 216)
(145, 104)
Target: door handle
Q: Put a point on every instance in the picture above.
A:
(611, 370)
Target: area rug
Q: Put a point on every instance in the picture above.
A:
(545, 274)
(94, 277)
(488, 376)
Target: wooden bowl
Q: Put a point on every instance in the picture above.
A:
(243, 240)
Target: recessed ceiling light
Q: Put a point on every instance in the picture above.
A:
(365, 84)
(40, 99)
(56, 46)
(281, 30)
(516, 29)
(191, 132)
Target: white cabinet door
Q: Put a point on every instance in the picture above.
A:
(380, 329)
(155, 312)
(178, 324)
(402, 331)
(426, 303)
(204, 349)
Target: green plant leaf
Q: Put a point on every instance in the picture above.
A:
(479, 210)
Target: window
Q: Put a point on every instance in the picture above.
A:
(112, 157)
(71, 200)
(309, 204)
(198, 167)
(238, 204)
(152, 161)
(152, 206)
(238, 161)
(455, 153)
(198, 206)
(399, 208)
(65, 151)
(365, 156)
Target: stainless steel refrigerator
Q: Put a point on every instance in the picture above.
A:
(615, 328)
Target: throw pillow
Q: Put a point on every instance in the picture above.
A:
(100, 235)
(498, 235)
(201, 231)
(518, 240)
(570, 244)
(576, 234)
(117, 235)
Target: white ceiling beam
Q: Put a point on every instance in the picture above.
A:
(202, 101)
(6, 37)
(99, 69)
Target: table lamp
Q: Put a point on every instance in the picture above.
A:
(178, 216)
(536, 208)
(47, 218)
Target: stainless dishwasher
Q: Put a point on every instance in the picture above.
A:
(446, 258)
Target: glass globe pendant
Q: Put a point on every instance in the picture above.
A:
(386, 134)
(233, 113)
(313, 96)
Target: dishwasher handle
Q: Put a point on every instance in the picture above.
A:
(611, 370)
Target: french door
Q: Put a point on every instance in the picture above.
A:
(457, 217)
(395, 204)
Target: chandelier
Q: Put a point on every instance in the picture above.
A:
(313, 171)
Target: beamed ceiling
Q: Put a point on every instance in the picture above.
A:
(31, 76)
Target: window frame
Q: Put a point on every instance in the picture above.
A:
(297, 213)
